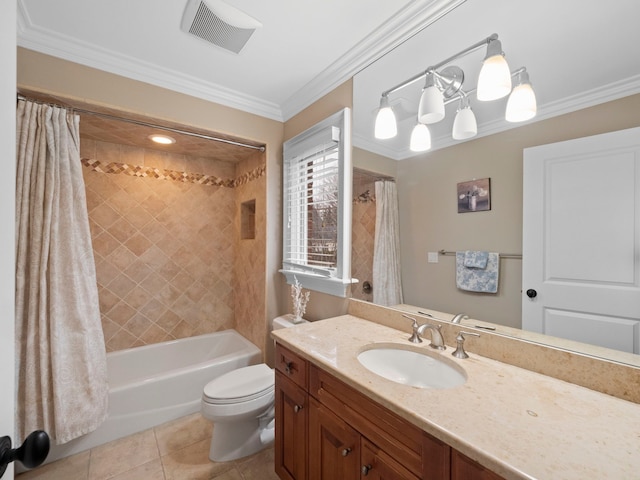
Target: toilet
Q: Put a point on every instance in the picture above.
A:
(241, 404)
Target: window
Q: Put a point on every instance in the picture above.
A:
(317, 206)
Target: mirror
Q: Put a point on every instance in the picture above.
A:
(573, 101)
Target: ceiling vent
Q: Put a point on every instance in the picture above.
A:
(219, 23)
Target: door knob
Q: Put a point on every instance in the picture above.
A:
(31, 453)
(531, 293)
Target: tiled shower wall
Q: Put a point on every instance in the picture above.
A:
(164, 245)
(362, 233)
(250, 258)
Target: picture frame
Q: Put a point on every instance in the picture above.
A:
(474, 195)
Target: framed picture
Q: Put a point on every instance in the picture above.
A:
(474, 195)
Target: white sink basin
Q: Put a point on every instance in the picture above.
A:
(407, 366)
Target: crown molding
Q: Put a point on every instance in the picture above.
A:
(407, 22)
(65, 47)
(371, 145)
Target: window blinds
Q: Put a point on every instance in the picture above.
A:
(311, 186)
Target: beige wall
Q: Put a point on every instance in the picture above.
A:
(43, 73)
(430, 222)
(320, 305)
(372, 162)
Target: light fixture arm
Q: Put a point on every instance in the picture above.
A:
(422, 74)
(471, 91)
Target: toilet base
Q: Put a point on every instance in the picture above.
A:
(234, 440)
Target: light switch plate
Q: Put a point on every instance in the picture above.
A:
(432, 257)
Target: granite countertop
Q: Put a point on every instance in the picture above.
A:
(518, 423)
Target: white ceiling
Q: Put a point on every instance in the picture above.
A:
(577, 52)
(303, 50)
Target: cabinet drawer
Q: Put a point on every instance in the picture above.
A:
(406, 443)
(291, 366)
(378, 465)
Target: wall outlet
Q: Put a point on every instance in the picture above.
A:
(432, 257)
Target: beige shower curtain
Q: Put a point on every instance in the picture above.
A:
(387, 284)
(61, 361)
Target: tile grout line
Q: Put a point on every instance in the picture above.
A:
(155, 436)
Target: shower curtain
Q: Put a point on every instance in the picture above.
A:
(61, 369)
(387, 284)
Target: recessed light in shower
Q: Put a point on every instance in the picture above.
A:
(162, 139)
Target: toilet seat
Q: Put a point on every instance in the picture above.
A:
(240, 385)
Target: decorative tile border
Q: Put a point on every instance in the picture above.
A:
(174, 175)
(365, 197)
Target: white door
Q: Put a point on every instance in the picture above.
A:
(581, 240)
(7, 214)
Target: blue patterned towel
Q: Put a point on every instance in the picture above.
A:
(473, 259)
(478, 279)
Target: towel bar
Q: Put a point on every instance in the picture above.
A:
(502, 255)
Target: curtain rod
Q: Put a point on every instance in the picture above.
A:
(502, 255)
(147, 124)
(367, 173)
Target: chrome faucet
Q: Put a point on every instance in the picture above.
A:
(459, 317)
(437, 341)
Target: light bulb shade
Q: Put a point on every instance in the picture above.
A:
(495, 77)
(464, 125)
(420, 138)
(385, 126)
(431, 108)
(522, 104)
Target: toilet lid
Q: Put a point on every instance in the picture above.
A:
(242, 384)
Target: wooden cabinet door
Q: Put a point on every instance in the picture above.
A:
(334, 447)
(463, 468)
(292, 410)
(378, 465)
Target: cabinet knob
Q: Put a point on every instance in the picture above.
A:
(346, 452)
(288, 367)
(297, 408)
(365, 470)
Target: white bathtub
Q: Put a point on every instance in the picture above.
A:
(156, 383)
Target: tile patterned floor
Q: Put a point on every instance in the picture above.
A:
(178, 450)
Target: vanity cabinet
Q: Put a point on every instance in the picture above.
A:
(292, 416)
(325, 429)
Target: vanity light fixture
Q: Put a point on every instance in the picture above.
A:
(162, 139)
(444, 85)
